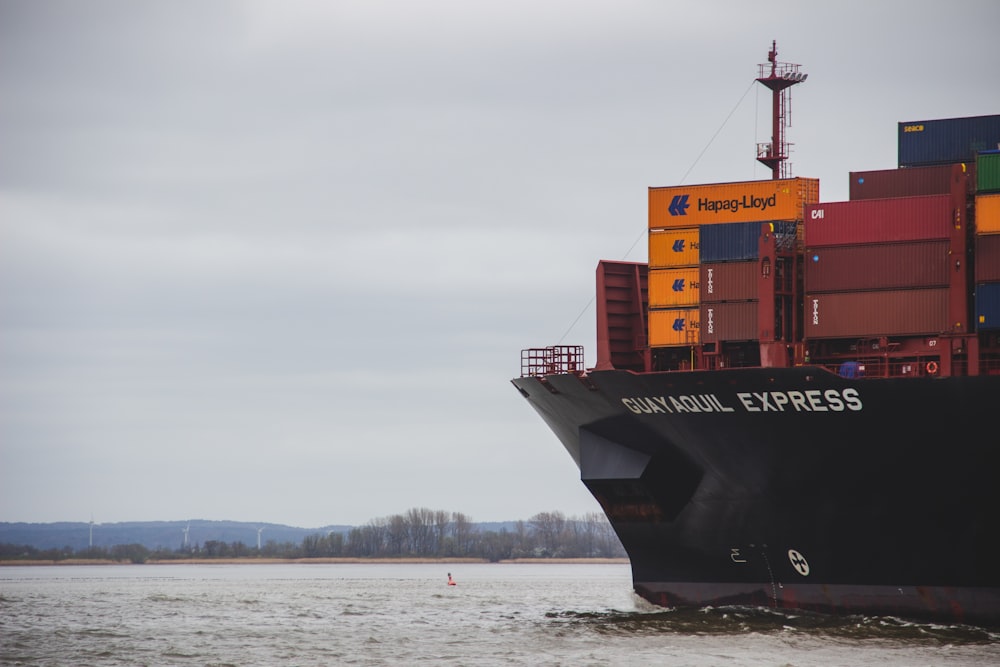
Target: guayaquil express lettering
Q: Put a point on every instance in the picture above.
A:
(737, 203)
(810, 400)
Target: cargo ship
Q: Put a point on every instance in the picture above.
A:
(793, 400)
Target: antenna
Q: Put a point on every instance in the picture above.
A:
(779, 78)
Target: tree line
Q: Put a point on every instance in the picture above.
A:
(417, 533)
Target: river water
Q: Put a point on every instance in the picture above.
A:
(406, 614)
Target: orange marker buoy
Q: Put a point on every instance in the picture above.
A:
(451, 582)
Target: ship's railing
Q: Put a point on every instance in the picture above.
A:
(989, 366)
(911, 367)
(552, 360)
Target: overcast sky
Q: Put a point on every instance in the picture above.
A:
(276, 261)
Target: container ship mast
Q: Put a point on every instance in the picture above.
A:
(779, 79)
(780, 278)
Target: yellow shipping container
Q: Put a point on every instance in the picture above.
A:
(988, 214)
(744, 201)
(674, 326)
(674, 287)
(670, 248)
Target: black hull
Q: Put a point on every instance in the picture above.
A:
(793, 488)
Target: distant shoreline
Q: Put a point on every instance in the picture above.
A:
(326, 561)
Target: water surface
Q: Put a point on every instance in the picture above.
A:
(404, 614)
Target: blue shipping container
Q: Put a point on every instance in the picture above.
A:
(737, 241)
(947, 140)
(987, 306)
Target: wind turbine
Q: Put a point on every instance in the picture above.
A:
(91, 531)
(259, 531)
(186, 535)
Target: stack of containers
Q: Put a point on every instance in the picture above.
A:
(878, 267)
(729, 278)
(971, 140)
(673, 286)
(987, 241)
(703, 247)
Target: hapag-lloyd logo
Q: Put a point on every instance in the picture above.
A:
(736, 204)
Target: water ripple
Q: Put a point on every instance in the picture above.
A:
(539, 615)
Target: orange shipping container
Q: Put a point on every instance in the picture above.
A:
(673, 287)
(744, 201)
(674, 326)
(988, 214)
(669, 248)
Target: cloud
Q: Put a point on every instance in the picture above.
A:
(277, 261)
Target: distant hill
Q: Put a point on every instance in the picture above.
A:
(169, 535)
(153, 534)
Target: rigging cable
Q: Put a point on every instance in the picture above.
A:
(681, 182)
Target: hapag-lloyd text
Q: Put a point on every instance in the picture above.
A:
(737, 204)
(810, 400)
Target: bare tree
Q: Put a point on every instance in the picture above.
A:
(463, 533)
(549, 528)
(420, 521)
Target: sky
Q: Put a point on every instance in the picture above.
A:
(275, 261)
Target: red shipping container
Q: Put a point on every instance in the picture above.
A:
(729, 281)
(911, 312)
(987, 258)
(911, 182)
(879, 221)
(728, 321)
(878, 266)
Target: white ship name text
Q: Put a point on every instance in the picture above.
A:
(810, 400)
